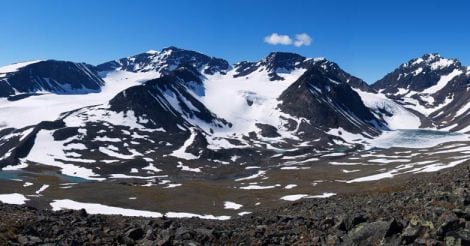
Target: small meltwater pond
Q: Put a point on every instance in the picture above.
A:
(22, 174)
(416, 138)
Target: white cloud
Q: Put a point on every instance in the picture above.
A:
(275, 39)
(301, 39)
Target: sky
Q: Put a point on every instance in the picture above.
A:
(366, 38)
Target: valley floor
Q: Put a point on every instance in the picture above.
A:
(426, 209)
(230, 190)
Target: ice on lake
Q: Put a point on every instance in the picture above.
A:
(416, 138)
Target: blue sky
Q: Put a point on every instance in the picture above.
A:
(366, 38)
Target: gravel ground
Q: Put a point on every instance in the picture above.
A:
(427, 209)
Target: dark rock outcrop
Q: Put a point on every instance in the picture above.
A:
(59, 77)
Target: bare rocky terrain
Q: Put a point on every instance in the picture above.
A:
(426, 209)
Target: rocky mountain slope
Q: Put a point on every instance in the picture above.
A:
(58, 77)
(321, 91)
(434, 86)
(160, 107)
(180, 97)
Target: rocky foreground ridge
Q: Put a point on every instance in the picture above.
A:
(428, 209)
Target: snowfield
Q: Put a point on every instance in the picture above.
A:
(95, 208)
(13, 198)
(232, 205)
(30, 111)
(227, 97)
(401, 118)
(48, 152)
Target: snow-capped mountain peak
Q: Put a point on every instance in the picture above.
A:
(165, 61)
(420, 74)
(432, 60)
(273, 64)
(431, 85)
(282, 60)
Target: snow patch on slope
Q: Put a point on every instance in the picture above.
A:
(96, 208)
(181, 152)
(442, 82)
(15, 67)
(400, 117)
(14, 198)
(49, 152)
(230, 99)
(30, 111)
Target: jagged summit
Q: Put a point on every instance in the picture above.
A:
(432, 85)
(166, 60)
(286, 59)
(277, 63)
(434, 61)
(419, 74)
(169, 58)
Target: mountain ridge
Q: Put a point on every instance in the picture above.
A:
(205, 110)
(435, 86)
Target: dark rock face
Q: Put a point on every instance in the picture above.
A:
(274, 63)
(165, 61)
(417, 74)
(282, 60)
(334, 68)
(165, 102)
(5, 89)
(327, 101)
(453, 114)
(59, 77)
(268, 130)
